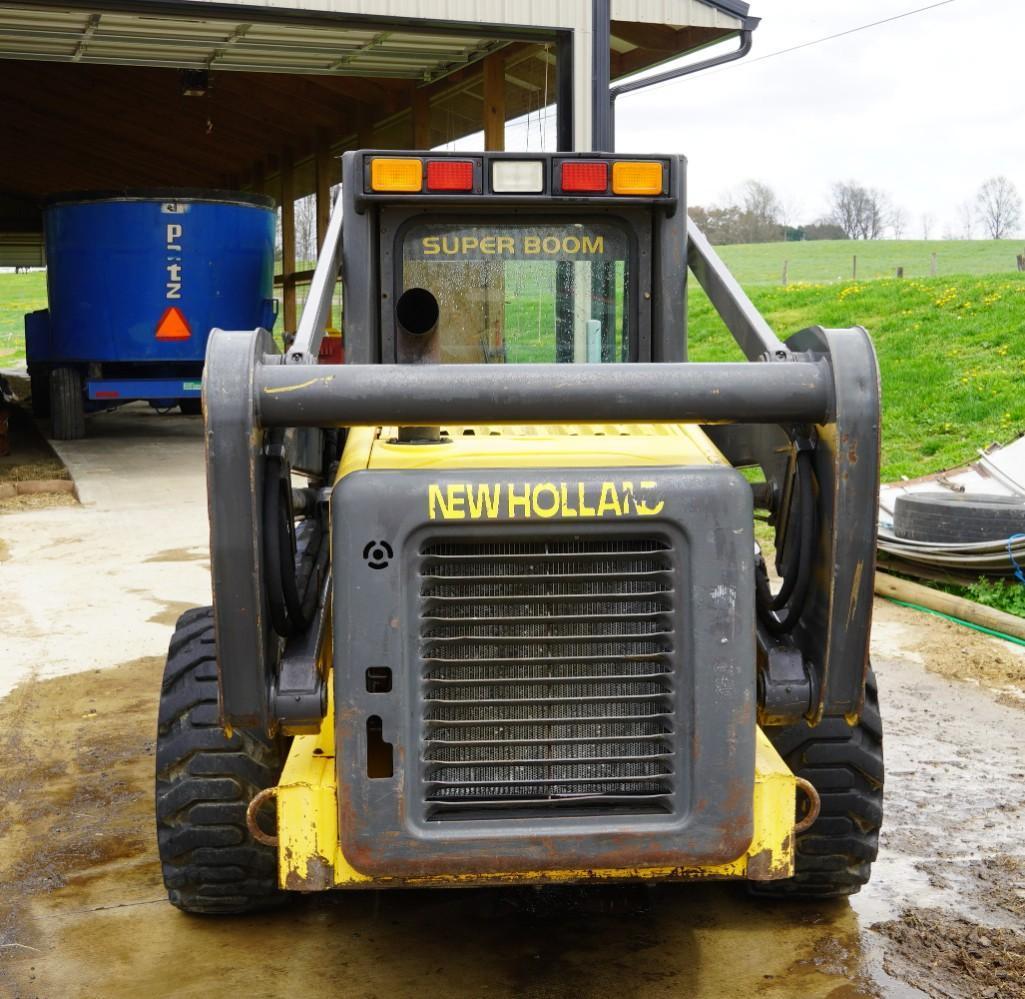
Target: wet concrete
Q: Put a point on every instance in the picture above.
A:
(83, 913)
(82, 907)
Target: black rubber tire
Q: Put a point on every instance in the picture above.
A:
(204, 782)
(953, 518)
(845, 764)
(191, 407)
(67, 407)
(39, 389)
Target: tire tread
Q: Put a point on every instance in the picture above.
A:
(204, 781)
(834, 857)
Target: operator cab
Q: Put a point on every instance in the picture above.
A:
(507, 259)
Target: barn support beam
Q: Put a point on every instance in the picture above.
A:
(494, 102)
(287, 176)
(421, 117)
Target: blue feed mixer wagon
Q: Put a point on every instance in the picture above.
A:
(135, 282)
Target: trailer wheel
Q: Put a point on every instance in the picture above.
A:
(204, 782)
(67, 408)
(191, 407)
(845, 764)
(39, 388)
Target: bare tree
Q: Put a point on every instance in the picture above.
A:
(752, 214)
(860, 211)
(306, 229)
(998, 205)
(898, 222)
(928, 223)
(964, 228)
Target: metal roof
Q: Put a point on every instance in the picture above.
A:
(139, 40)
(405, 40)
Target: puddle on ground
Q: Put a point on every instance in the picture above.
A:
(195, 554)
(83, 912)
(173, 609)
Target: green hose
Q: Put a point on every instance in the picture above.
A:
(957, 620)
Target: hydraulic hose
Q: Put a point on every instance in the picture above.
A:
(799, 561)
(291, 584)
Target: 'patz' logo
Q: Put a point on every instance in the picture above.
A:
(173, 285)
(542, 500)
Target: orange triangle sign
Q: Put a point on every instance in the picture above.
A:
(172, 325)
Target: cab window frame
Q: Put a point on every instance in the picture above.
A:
(635, 223)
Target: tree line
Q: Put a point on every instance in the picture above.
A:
(755, 214)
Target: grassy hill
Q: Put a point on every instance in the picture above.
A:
(831, 260)
(951, 354)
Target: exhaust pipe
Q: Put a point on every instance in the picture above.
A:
(416, 316)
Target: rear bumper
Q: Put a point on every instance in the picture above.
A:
(127, 389)
(310, 856)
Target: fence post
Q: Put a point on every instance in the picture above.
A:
(900, 272)
(932, 265)
(786, 267)
(854, 268)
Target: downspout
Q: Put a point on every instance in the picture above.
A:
(746, 34)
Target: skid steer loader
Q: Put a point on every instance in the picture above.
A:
(488, 604)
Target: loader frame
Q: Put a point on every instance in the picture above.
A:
(816, 393)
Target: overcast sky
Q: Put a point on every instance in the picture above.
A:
(925, 108)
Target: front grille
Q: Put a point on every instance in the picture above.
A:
(548, 672)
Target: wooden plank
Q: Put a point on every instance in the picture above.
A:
(494, 101)
(323, 166)
(287, 178)
(946, 603)
(297, 277)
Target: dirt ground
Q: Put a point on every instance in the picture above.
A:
(31, 459)
(83, 911)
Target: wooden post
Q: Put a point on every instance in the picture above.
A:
(364, 129)
(494, 102)
(932, 265)
(900, 272)
(421, 105)
(786, 267)
(323, 184)
(854, 268)
(288, 241)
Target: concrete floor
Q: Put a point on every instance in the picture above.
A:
(88, 597)
(108, 578)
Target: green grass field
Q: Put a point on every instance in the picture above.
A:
(951, 350)
(832, 260)
(19, 293)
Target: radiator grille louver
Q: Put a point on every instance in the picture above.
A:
(548, 676)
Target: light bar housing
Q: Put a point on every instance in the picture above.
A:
(520, 177)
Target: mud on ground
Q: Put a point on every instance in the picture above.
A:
(83, 912)
(31, 459)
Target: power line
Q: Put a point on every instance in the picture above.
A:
(849, 31)
(826, 38)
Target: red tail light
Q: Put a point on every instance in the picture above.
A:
(584, 176)
(449, 175)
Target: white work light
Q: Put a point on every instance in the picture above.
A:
(517, 177)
